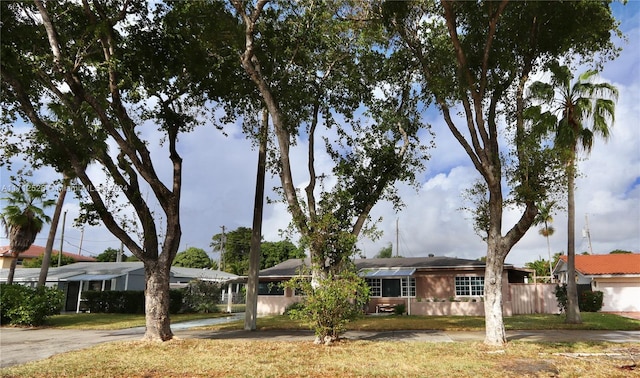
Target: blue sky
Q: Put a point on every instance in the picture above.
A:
(219, 174)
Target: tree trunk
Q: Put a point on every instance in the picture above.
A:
(494, 324)
(549, 251)
(156, 294)
(46, 258)
(251, 313)
(12, 268)
(573, 311)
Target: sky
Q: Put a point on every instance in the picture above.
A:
(219, 181)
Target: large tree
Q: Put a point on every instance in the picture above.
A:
(23, 218)
(193, 257)
(236, 246)
(321, 71)
(109, 255)
(586, 110)
(475, 58)
(87, 76)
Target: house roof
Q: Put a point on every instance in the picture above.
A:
(292, 267)
(617, 263)
(97, 271)
(36, 251)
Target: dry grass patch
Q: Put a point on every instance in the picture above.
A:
(242, 358)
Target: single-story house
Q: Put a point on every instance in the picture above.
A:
(73, 279)
(35, 251)
(434, 285)
(617, 276)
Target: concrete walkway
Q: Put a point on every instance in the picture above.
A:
(21, 345)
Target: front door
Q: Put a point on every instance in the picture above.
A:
(73, 287)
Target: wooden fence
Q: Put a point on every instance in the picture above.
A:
(537, 298)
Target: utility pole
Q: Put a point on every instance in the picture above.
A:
(120, 252)
(81, 239)
(64, 219)
(397, 237)
(588, 233)
(220, 258)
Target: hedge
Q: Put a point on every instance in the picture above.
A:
(126, 302)
(588, 301)
(23, 305)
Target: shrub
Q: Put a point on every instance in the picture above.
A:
(400, 309)
(176, 298)
(115, 302)
(338, 299)
(201, 296)
(591, 301)
(561, 296)
(294, 307)
(588, 301)
(22, 305)
(126, 302)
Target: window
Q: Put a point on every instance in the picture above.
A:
(375, 287)
(270, 288)
(409, 287)
(469, 286)
(392, 287)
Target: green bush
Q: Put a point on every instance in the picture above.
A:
(561, 296)
(125, 302)
(400, 309)
(176, 297)
(588, 301)
(22, 305)
(201, 296)
(591, 301)
(337, 300)
(293, 307)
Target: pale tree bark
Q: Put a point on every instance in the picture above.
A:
(156, 295)
(493, 303)
(251, 314)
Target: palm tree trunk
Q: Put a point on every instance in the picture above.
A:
(549, 251)
(12, 268)
(256, 231)
(573, 311)
(46, 258)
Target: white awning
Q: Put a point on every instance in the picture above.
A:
(394, 273)
(93, 277)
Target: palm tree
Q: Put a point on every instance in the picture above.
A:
(46, 258)
(23, 220)
(586, 110)
(544, 217)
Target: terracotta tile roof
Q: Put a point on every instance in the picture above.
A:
(37, 250)
(622, 263)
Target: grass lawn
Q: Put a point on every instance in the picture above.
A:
(348, 358)
(595, 321)
(252, 358)
(114, 321)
